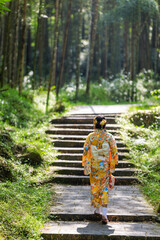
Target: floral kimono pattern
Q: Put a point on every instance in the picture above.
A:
(99, 159)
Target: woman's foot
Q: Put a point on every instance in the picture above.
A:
(105, 220)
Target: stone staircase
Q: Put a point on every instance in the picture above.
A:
(130, 215)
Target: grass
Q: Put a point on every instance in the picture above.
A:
(24, 202)
(144, 145)
(22, 210)
(100, 94)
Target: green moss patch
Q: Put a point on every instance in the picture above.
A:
(144, 146)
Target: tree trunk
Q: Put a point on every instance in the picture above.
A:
(11, 40)
(126, 44)
(117, 52)
(40, 47)
(105, 54)
(97, 59)
(155, 45)
(36, 45)
(29, 49)
(21, 64)
(78, 49)
(52, 74)
(144, 51)
(1, 35)
(15, 48)
(133, 59)
(5, 48)
(64, 48)
(92, 42)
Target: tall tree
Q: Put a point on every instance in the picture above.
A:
(15, 48)
(78, 47)
(36, 44)
(64, 48)
(95, 4)
(21, 63)
(52, 74)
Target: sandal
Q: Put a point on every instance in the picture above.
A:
(105, 220)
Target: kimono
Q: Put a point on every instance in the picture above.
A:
(99, 159)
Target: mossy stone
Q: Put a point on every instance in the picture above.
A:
(5, 137)
(5, 151)
(145, 119)
(20, 148)
(59, 107)
(32, 158)
(5, 171)
(158, 209)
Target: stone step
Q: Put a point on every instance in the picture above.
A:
(96, 231)
(67, 163)
(78, 156)
(94, 115)
(70, 131)
(84, 180)
(80, 171)
(75, 137)
(129, 214)
(80, 150)
(85, 126)
(126, 203)
(83, 120)
(111, 217)
(78, 143)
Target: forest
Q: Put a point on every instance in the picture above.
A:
(71, 47)
(54, 55)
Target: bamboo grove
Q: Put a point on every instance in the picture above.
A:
(59, 41)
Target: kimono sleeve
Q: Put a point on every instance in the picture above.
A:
(86, 159)
(114, 154)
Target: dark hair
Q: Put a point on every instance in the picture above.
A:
(99, 120)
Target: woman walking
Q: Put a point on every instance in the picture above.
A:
(99, 159)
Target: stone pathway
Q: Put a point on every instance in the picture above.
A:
(98, 109)
(131, 217)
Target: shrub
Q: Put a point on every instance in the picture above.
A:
(13, 109)
(114, 89)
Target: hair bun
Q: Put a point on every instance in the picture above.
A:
(99, 122)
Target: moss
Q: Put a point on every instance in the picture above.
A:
(145, 119)
(32, 157)
(59, 107)
(19, 148)
(144, 148)
(158, 209)
(5, 136)
(5, 170)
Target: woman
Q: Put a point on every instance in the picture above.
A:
(99, 158)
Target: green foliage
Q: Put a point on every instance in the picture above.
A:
(3, 8)
(116, 89)
(98, 94)
(144, 146)
(22, 210)
(156, 94)
(59, 107)
(130, 10)
(25, 155)
(13, 108)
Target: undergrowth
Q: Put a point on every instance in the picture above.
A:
(142, 136)
(114, 89)
(25, 156)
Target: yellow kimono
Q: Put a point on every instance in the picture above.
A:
(100, 156)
